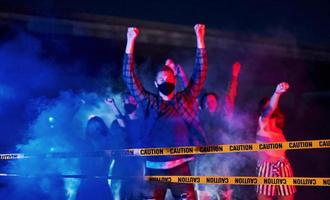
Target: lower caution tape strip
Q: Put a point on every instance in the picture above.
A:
(243, 180)
(215, 180)
(185, 150)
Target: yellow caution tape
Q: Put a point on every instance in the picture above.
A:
(243, 180)
(227, 148)
(215, 180)
(188, 150)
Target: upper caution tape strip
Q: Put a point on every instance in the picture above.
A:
(187, 150)
(226, 148)
(243, 180)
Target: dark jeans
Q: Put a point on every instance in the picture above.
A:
(132, 187)
(157, 190)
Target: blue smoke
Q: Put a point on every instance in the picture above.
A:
(41, 116)
(23, 69)
(60, 127)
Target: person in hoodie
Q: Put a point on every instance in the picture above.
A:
(170, 117)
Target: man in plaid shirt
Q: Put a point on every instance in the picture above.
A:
(170, 118)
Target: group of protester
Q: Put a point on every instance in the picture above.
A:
(176, 117)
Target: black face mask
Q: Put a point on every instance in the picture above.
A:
(129, 108)
(166, 88)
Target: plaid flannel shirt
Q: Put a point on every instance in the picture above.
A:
(184, 102)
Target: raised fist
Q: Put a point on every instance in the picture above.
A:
(282, 87)
(200, 30)
(109, 101)
(132, 33)
(236, 69)
(169, 62)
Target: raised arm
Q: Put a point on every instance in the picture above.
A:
(130, 78)
(182, 75)
(178, 72)
(273, 103)
(196, 82)
(232, 90)
(119, 117)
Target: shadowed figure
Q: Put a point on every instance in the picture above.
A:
(126, 130)
(216, 115)
(97, 139)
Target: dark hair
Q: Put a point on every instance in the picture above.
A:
(277, 114)
(103, 131)
(203, 98)
(261, 104)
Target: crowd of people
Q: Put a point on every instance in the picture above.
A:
(172, 117)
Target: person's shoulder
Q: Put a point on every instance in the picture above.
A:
(114, 124)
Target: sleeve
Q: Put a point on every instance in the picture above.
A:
(197, 80)
(131, 80)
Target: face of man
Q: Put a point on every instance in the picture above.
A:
(211, 104)
(165, 83)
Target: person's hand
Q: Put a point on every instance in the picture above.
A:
(236, 69)
(170, 63)
(200, 34)
(282, 88)
(110, 101)
(200, 30)
(132, 33)
(177, 69)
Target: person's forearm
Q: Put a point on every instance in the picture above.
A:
(130, 46)
(200, 42)
(273, 103)
(131, 80)
(111, 102)
(198, 78)
(184, 80)
(115, 110)
(182, 76)
(231, 96)
(274, 100)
